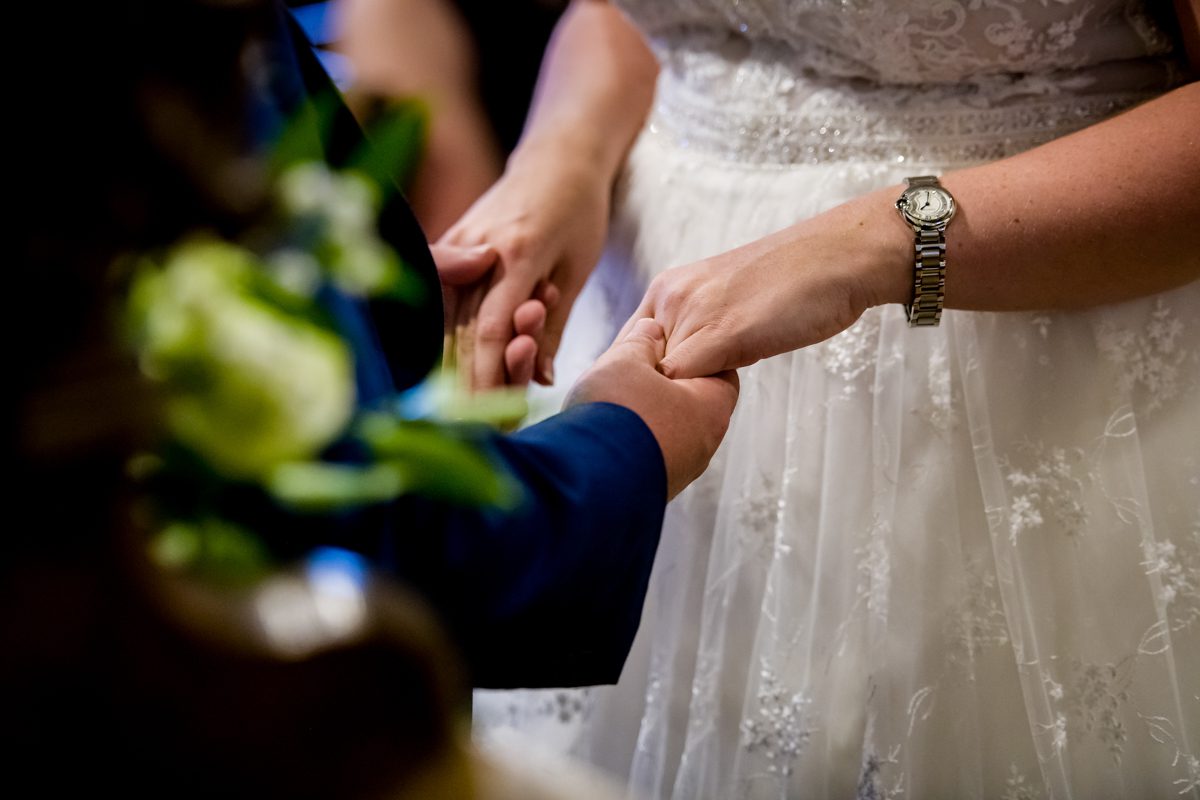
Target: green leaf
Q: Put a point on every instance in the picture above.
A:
(407, 286)
(440, 464)
(304, 133)
(395, 143)
(500, 407)
(211, 548)
(447, 400)
(317, 486)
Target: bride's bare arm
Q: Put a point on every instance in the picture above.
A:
(1103, 215)
(547, 215)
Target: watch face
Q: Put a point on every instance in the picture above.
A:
(928, 204)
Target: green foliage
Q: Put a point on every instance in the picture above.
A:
(258, 384)
(395, 141)
(210, 547)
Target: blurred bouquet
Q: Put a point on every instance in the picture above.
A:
(258, 384)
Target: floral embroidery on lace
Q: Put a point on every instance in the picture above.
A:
(980, 620)
(875, 569)
(568, 707)
(920, 706)
(523, 710)
(704, 689)
(1178, 571)
(927, 42)
(1047, 491)
(1161, 730)
(1056, 732)
(852, 352)
(942, 412)
(1149, 358)
(1020, 40)
(1093, 696)
(1017, 787)
(1191, 779)
(891, 82)
(780, 729)
(871, 784)
(759, 508)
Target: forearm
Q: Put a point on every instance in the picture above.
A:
(461, 161)
(594, 91)
(1100, 216)
(1103, 215)
(579, 546)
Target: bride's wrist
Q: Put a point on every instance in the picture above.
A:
(884, 245)
(564, 154)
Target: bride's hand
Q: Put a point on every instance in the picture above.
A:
(545, 219)
(785, 291)
(462, 271)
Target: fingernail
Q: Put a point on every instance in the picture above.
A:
(479, 249)
(548, 370)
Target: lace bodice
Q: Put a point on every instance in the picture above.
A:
(945, 81)
(926, 41)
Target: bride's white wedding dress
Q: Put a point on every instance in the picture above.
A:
(959, 562)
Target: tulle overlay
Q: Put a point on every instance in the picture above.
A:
(959, 562)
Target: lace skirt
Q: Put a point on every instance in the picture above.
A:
(953, 562)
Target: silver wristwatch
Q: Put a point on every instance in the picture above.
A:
(927, 207)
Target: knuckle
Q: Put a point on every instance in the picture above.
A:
(492, 330)
(519, 245)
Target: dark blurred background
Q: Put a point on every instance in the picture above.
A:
(127, 129)
(474, 64)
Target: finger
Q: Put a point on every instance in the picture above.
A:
(646, 341)
(717, 393)
(702, 353)
(494, 328)
(449, 308)
(728, 377)
(457, 265)
(530, 319)
(548, 293)
(556, 321)
(466, 314)
(519, 358)
(645, 310)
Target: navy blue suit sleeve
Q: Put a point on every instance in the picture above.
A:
(548, 593)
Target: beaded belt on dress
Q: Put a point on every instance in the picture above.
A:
(852, 122)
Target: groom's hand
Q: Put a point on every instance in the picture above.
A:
(688, 417)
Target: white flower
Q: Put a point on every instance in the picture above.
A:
(346, 200)
(295, 271)
(365, 267)
(247, 385)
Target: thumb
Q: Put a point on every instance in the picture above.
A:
(696, 356)
(645, 342)
(644, 309)
(458, 266)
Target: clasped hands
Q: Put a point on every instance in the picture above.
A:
(688, 416)
(513, 266)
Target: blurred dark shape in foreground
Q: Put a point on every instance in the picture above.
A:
(116, 675)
